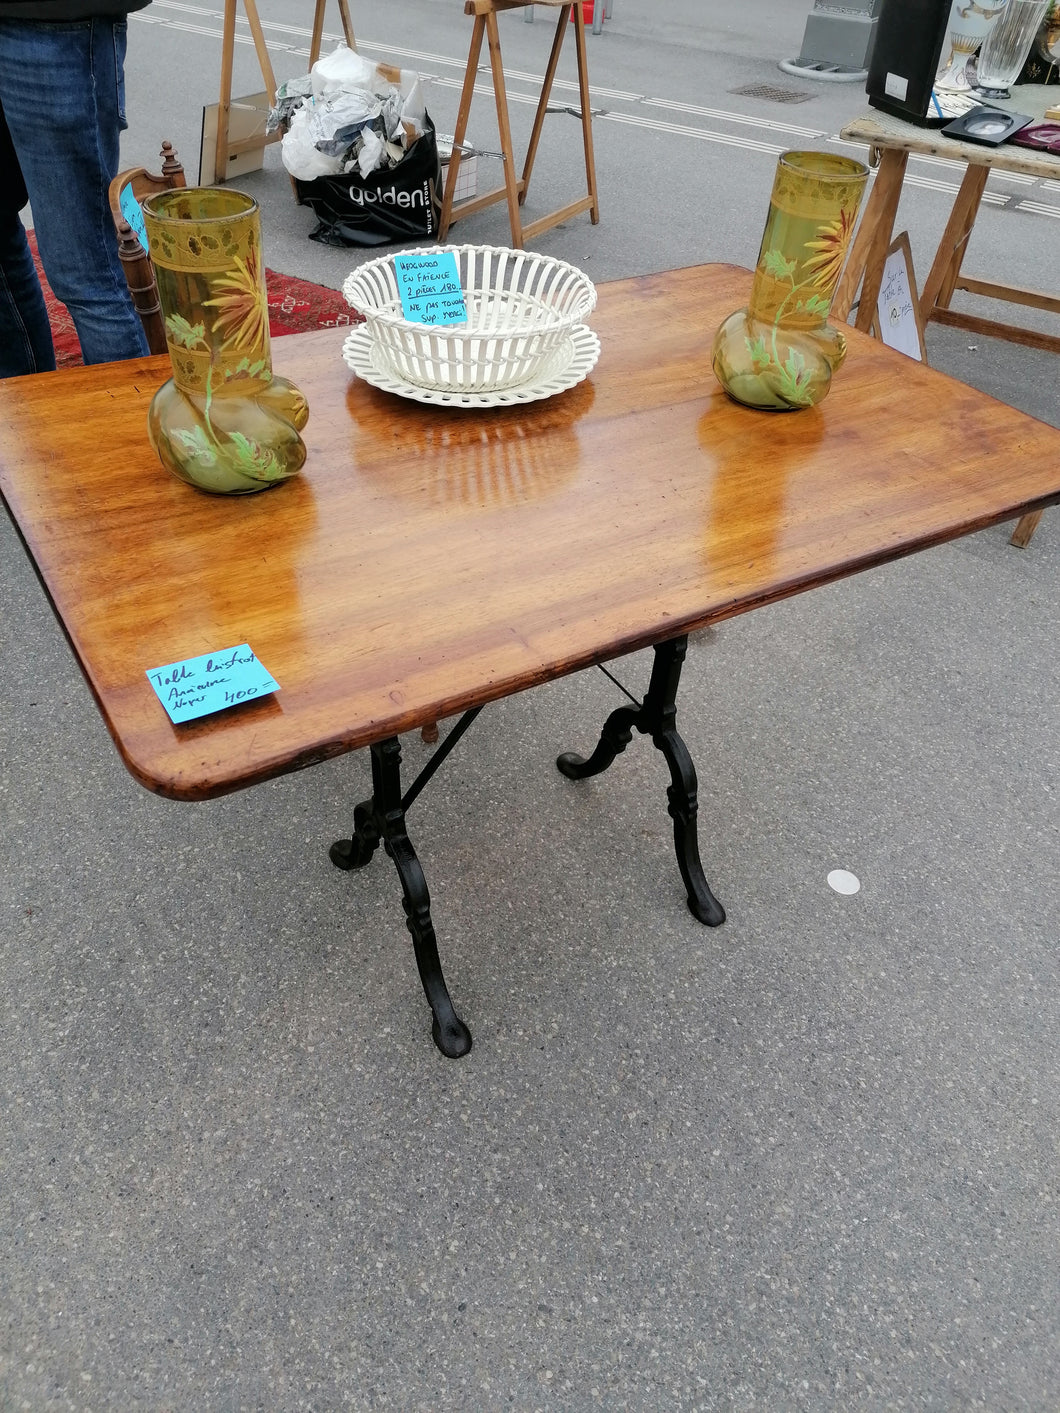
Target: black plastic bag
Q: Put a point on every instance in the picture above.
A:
(399, 203)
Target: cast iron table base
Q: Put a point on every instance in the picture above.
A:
(656, 717)
(382, 820)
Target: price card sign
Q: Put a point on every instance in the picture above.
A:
(430, 288)
(199, 686)
(133, 213)
(898, 320)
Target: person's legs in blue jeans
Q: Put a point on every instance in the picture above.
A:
(25, 335)
(62, 89)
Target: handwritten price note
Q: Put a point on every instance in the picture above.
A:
(430, 288)
(894, 308)
(131, 210)
(199, 686)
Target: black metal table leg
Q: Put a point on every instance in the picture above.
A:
(657, 717)
(382, 819)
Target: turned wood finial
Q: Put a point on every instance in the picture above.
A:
(171, 163)
(129, 247)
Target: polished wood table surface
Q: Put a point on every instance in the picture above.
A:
(429, 561)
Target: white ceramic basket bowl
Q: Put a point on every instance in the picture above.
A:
(520, 309)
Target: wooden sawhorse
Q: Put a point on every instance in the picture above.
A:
(227, 149)
(515, 188)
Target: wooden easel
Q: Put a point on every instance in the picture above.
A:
(484, 14)
(225, 148)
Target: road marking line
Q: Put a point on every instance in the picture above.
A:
(701, 134)
(697, 111)
(1039, 208)
(989, 198)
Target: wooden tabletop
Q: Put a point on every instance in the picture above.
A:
(427, 561)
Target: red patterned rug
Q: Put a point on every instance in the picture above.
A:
(295, 307)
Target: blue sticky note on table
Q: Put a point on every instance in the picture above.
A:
(199, 686)
(430, 290)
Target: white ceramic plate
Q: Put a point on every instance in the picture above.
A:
(572, 361)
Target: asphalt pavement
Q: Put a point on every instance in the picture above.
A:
(807, 1160)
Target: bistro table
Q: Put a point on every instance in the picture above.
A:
(429, 561)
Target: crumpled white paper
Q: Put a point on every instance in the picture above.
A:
(355, 114)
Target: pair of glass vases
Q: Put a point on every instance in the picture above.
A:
(227, 424)
(224, 422)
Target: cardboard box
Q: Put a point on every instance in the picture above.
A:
(246, 123)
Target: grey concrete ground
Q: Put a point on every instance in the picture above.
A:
(805, 1161)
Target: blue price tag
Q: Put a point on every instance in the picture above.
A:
(131, 210)
(430, 288)
(199, 686)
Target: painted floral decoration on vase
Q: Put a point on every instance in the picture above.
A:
(780, 352)
(224, 422)
(970, 22)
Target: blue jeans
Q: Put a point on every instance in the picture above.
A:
(25, 335)
(62, 91)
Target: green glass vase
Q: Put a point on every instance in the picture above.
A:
(780, 352)
(224, 422)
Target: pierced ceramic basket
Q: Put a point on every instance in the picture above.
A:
(521, 307)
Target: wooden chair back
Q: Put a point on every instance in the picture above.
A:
(135, 261)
